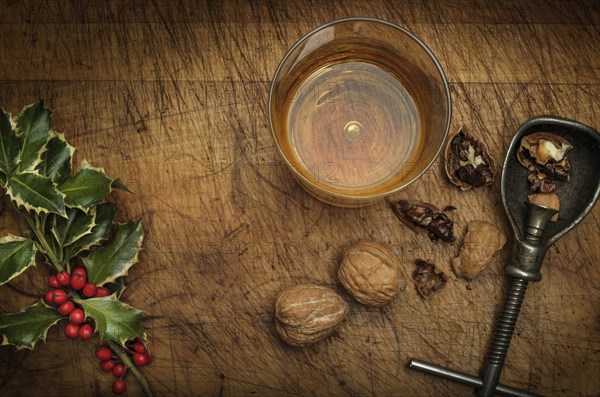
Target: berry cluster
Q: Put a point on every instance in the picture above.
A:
(110, 362)
(65, 287)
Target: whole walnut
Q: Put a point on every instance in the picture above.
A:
(307, 313)
(372, 273)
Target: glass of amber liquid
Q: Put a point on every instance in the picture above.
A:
(359, 109)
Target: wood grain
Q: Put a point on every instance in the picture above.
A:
(172, 97)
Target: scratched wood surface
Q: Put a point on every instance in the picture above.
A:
(172, 97)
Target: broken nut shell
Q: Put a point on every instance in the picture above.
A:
(546, 153)
(419, 216)
(468, 163)
(482, 241)
(427, 280)
(549, 200)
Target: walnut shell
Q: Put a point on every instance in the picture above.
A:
(372, 273)
(549, 200)
(538, 152)
(484, 169)
(482, 241)
(307, 313)
(419, 216)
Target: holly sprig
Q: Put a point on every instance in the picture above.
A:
(70, 224)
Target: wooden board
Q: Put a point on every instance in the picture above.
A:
(172, 96)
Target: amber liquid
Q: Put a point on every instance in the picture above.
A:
(352, 125)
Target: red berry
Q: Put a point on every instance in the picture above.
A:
(72, 331)
(66, 308)
(79, 271)
(78, 281)
(59, 296)
(140, 359)
(102, 291)
(118, 370)
(53, 282)
(77, 316)
(119, 386)
(103, 353)
(150, 359)
(63, 278)
(107, 365)
(139, 347)
(89, 290)
(86, 331)
(49, 297)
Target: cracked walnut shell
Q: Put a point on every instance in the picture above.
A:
(468, 163)
(372, 273)
(482, 241)
(307, 313)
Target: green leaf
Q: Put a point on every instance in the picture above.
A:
(118, 184)
(107, 263)
(114, 319)
(77, 225)
(16, 255)
(104, 215)
(117, 287)
(9, 145)
(57, 160)
(34, 129)
(25, 328)
(88, 187)
(34, 192)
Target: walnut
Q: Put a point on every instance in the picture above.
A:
(418, 216)
(307, 313)
(539, 182)
(427, 280)
(372, 273)
(547, 200)
(467, 161)
(546, 153)
(482, 241)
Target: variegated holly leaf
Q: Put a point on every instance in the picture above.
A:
(57, 160)
(9, 145)
(114, 319)
(35, 192)
(118, 184)
(88, 187)
(68, 230)
(117, 287)
(25, 328)
(106, 263)
(34, 129)
(103, 219)
(16, 255)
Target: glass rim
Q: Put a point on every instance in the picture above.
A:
(351, 197)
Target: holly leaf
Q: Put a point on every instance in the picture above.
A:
(57, 160)
(107, 263)
(25, 328)
(9, 145)
(117, 287)
(35, 192)
(88, 187)
(114, 319)
(34, 129)
(77, 225)
(118, 184)
(16, 255)
(104, 214)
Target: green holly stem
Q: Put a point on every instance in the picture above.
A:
(42, 243)
(122, 353)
